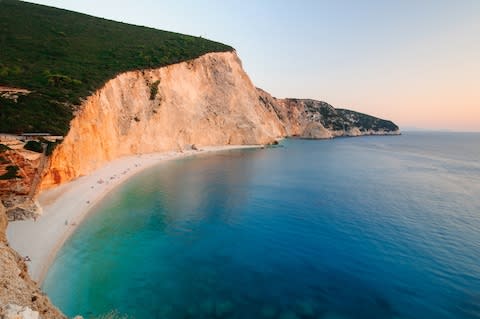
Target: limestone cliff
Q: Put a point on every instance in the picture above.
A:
(17, 289)
(316, 119)
(206, 101)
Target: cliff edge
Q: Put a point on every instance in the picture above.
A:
(206, 101)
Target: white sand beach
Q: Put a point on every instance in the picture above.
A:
(64, 207)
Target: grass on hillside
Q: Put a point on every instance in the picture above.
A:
(368, 122)
(63, 56)
(11, 173)
(4, 148)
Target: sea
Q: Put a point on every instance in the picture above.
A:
(359, 228)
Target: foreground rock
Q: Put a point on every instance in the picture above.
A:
(20, 296)
(12, 311)
(20, 208)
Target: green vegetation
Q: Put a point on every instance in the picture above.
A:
(50, 147)
(367, 122)
(4, 148)
(34, 146)
(3, 160)
(11, 173)
(63, 57)
(154, 90)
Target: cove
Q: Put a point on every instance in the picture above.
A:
(370, 227)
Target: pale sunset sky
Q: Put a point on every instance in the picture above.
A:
(415, 62)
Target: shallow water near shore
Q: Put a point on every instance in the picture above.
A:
(369, 227)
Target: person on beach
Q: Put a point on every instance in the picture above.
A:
(27, 258)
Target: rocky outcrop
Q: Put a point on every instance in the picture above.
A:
(316, 119)
(12, 311)
(12, 93)
(20, 208)
(19, 294)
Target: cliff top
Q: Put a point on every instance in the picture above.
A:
(55, 58)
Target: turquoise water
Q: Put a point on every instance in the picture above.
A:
(370, 227)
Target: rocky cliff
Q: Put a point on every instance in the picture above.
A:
(206, 101)
(20, 296)
(316, 119)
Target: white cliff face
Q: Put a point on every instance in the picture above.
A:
(206, 101)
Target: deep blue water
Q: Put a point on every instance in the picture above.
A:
(370, 227)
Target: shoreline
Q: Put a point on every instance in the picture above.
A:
(66, 206)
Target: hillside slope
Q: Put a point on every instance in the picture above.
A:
(62, 57)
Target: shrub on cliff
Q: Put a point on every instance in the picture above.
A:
(4, 148)
(50, 147)
(34, 146)
(11, 173)
(63, 57)
(154, 90)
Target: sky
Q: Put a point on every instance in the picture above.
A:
(415, 62)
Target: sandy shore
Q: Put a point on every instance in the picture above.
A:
(65, 207)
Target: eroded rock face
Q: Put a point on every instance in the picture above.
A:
(316, 119)
(20, 208)
(206, 101)
(315, 130)
(20, 296)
